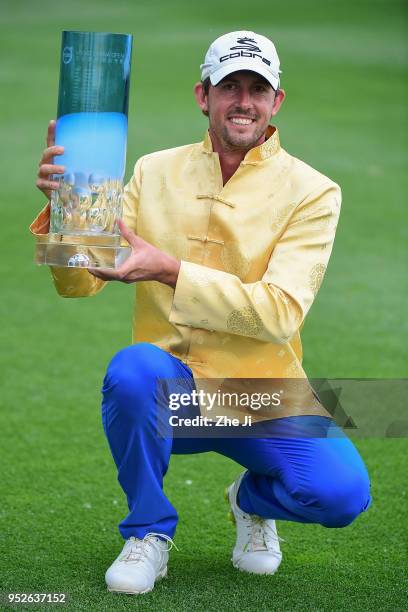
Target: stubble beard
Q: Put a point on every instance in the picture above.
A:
(235, 141)
(245, 142)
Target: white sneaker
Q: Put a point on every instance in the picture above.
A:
(257, 547)
(140, 564)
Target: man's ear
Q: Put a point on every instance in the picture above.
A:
(201, 97)
(279, 98)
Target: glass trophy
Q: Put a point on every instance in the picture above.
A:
(91, 125)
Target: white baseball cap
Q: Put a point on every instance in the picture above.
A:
(241, 51)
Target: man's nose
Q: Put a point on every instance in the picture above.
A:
(244, 97)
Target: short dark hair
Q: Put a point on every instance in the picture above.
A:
(206, 85)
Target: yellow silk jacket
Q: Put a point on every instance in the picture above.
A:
(253, 255)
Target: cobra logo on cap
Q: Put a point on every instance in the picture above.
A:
(246, 47)
(245, 43)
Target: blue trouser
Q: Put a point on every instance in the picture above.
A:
(319, 479)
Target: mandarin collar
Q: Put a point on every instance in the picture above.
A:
(263, 151)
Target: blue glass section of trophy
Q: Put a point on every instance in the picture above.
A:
(92, 123)
(90, 195)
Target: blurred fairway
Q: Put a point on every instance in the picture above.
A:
(344, 70)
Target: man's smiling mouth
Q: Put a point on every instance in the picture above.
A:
(241, 120)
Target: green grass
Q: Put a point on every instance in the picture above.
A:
(344, 69)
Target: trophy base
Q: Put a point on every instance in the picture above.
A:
(80, 251)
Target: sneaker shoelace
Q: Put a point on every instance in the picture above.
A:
(138, 548)
(261, 534)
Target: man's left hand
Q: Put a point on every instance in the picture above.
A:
(146, 262)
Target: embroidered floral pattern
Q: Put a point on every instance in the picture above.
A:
(234, 260)
(245, 321)
(270, 147)
(294, 369)
(316, 276)
(198, 276)
(279, 215)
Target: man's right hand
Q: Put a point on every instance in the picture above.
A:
(46, 166)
